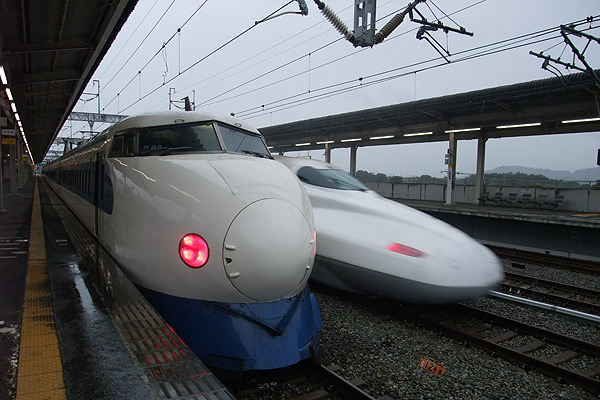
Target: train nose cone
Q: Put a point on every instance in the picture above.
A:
(475, 266)
(269, 250)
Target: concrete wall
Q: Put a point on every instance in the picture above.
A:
(583, 200)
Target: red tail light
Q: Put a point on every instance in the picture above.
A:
(405, 250)
(193, 250)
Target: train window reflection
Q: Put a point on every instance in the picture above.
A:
(189, 138)
(330, 178)
(243, 142)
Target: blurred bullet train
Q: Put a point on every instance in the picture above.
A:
(216, 234)
(373, 245)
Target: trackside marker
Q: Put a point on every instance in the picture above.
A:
(431, 366)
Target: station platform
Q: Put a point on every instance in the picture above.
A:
(565, 233)
(72, 326)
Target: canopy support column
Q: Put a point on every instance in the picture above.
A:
(353, 160)
(451, 169)
(479, 188)
(328, 152)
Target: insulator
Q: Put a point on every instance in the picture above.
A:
(335, 21)
(388, 28)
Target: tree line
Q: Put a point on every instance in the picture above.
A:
(517, 179)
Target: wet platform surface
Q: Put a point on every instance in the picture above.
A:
(112, 343)
(15, 224)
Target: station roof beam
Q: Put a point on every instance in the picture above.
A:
(49, 50)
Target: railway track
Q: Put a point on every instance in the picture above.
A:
(556, 293)
(566, 359)
(550, 260)
(311, 383)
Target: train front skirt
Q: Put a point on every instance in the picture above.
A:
(245, 336)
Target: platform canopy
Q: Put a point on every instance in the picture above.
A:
(49, 51)
(542, 107)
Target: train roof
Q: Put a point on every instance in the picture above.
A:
(176, 117)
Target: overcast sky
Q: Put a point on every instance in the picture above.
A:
(296, 67)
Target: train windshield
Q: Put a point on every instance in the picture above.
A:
(171, 139)
(239, 141)
(330, 178)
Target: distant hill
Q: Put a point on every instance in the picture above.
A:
(588, 174)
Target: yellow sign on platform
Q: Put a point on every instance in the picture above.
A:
(9, 141)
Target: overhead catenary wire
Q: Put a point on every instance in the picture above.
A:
(363, 83)
(354, 52)
(206, 56)
(480, 51)
(159, 51)
(116, 57)
(139, 45)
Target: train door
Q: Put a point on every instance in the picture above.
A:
(99, 192)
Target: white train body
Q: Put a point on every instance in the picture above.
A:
(151, 180)
(370, 244)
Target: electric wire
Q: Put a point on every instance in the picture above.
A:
(497, 47)
(116, 57)
(355, 51)
(205, 57)
(336, 89)
(489, 52)
(212, 80)
(160, 51)
(140, 45)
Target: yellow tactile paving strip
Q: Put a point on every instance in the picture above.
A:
(40, 373)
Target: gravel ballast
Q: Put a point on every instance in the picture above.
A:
(385, 351)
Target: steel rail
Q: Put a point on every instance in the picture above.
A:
(574, 347)
(558, 300)
(576, 290)
(344, 387)
(560, 262)
(545, 306)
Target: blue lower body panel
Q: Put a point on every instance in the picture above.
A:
(245, 336)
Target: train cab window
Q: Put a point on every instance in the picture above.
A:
(123, 145)
(178, 139)
(330, 178)
(238, 141)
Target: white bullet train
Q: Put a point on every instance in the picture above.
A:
(216, 234)
(373, 245)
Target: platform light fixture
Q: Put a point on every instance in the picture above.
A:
(3, 76)
(9, 94)
(518, 126)
(575, 121)
(381, 137)
(351, 140)
(463, 130)
(326, 142)
(418, 134)
(302, 144)
(13, 106)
